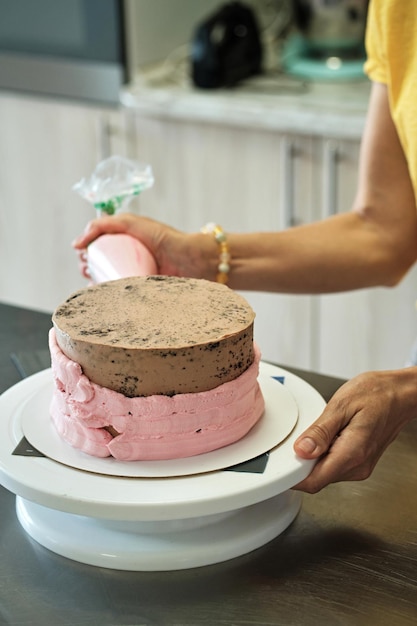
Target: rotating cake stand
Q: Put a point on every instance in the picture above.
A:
(151, 522)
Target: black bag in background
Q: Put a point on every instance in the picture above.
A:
(226, 48)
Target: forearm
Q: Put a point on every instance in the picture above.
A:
(374, 244)
(340, 254)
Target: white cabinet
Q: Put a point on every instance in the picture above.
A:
(249, 179)
(242, 179)
(46, 146)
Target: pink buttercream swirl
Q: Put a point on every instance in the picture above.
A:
(154, 427)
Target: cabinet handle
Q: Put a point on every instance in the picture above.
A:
(289, 152)
(103, 131)
(331, 158)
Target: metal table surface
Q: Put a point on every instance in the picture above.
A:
(349, 558)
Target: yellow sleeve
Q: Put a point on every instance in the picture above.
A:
(375, 65)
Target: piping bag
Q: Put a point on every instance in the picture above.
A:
(110, 188)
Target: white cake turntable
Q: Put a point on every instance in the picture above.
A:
(156, 516)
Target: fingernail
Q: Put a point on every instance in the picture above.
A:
(307, 445)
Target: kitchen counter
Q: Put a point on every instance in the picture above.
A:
(349, 558)
(278, 103)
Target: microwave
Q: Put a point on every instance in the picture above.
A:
(88, 49)
(66, 48)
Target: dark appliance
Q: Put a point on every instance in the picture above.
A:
(226, 48)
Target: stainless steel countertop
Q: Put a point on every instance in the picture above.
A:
(349, 558)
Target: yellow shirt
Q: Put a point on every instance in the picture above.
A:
(391, 45)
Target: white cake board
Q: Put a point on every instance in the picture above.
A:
(271, 430)
(153, 524)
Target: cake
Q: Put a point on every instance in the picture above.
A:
(155, 367)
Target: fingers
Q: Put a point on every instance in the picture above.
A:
(351, 456)
(114, 224)
(341, 441)
(321, 441)
(318, 438)
(83, 264)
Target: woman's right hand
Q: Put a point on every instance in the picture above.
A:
(176, 253)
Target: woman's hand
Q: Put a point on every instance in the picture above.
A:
(175, 252)
(360, 421)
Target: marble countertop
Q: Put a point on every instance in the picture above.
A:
(281, 103)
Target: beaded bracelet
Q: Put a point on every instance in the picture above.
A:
(223, 267)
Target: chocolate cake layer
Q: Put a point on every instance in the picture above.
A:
(143, 336)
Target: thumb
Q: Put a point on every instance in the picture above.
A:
(318, 437)
(94, 229)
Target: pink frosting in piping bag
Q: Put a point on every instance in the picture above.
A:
(110, 188)
(119, 256)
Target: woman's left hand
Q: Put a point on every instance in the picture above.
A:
(360, 421)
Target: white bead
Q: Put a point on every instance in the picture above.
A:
(210, 227)
(220, 237)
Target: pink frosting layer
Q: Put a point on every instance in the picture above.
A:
(153, 427)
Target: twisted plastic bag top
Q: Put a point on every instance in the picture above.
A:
(114, 183)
